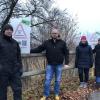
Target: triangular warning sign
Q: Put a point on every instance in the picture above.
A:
(94, 37)
(19, 32)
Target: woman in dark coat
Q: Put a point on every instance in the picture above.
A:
(97, 61)
(83, 61)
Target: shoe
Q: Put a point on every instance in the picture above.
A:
(43, 98)
(57, 97)
(81, 84)
(85, 85)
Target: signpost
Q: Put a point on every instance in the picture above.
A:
(21, 33)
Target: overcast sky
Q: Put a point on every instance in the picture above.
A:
(87, 11)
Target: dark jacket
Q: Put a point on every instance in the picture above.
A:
(84, 56)
(97, 59)
(55, 51)
(10, 57)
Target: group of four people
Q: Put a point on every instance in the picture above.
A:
(56, 53)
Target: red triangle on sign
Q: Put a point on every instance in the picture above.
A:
(19, 32)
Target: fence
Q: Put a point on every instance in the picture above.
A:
(34, 70)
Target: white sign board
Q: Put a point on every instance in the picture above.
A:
(21, 33)
(93, 39)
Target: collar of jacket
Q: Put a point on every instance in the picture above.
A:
(98, 45)
(8, 38)
(54, 40)
(85, 44)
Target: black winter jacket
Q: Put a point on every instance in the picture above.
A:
(55, 51)
(84, 56)
(10, 57)
(97, 59)
(97, 52)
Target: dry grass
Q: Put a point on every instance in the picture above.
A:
(69, 90)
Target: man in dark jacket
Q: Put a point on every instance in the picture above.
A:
(10, 65)
(56, 52)
(83, 61)
(97, 62)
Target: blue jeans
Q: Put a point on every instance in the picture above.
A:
(50, 71)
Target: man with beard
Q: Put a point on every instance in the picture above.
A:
(56, 52)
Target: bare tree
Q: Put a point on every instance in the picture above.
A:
(36, 8)
(61, 20)
(6, 10)
(44, 17)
